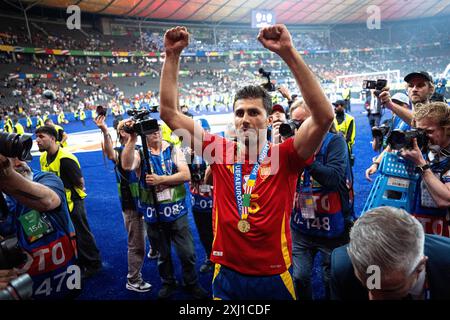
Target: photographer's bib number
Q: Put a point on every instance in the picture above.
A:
(205, 188)
(425, 197)
(35, 225)
(164, 195)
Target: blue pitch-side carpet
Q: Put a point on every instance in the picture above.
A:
(105, 218)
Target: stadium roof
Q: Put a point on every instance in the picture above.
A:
(239, 11)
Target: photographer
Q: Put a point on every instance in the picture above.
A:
(323, 211)
(36, 213)
(167, 220)
(420, 88)
(373, 107)
(381, 137)
(66, 166)
(432, 202)
(134, 224)
(276, 118)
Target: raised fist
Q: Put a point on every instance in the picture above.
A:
(176, 39)
(276, 38)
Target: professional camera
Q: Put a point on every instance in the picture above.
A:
(12, 256)
(287, 129)
(269, 86)
(378, 134)
(101, 111)
(197, 173)
(377, 85)
(14, 145)
(404, 139)
(143, 124)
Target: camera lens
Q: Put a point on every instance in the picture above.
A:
(14, 145)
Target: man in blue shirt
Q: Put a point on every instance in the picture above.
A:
(36, 214)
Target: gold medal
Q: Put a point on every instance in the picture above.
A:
(243, 226)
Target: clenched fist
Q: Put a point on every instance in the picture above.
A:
(176, 39)
(276, 38)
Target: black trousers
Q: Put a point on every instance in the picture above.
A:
(88, 253)
(203, 221)
(178, 232)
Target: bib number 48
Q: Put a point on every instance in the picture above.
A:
(319, 223)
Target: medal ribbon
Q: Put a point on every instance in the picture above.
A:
(243, 200)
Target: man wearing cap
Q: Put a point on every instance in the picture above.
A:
(345, 123)
(420, 88)
(66, 166)
(167, 219)
(276, 118)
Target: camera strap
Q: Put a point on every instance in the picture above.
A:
(4, 211)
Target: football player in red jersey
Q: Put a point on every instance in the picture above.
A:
(254, 181)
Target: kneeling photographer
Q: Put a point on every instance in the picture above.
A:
(163, 200)
(432, 196)
(36, 234)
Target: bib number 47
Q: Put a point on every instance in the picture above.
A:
(71, 279)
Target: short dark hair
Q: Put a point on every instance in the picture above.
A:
(49, 130)
(254, 92)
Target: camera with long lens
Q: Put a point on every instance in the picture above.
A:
(12, 256)
(378, 134)
(13, 145)
(399, 139)
(288, 128)
(197, 173)
(143, 123)
(269, 86)
(378, 85)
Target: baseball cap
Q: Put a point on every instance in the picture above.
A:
(278, 107)
(399, 96)
(339, 102)
(423, 74)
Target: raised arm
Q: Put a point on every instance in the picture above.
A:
(175, 40)
(107, 145)
(31, 194)
(130, 158)
(310, 135)
(403, 113)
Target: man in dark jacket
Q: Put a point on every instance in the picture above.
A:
(388, 258)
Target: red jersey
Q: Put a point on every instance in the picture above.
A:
(267, 248)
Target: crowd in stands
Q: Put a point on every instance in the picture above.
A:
(88, 79)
